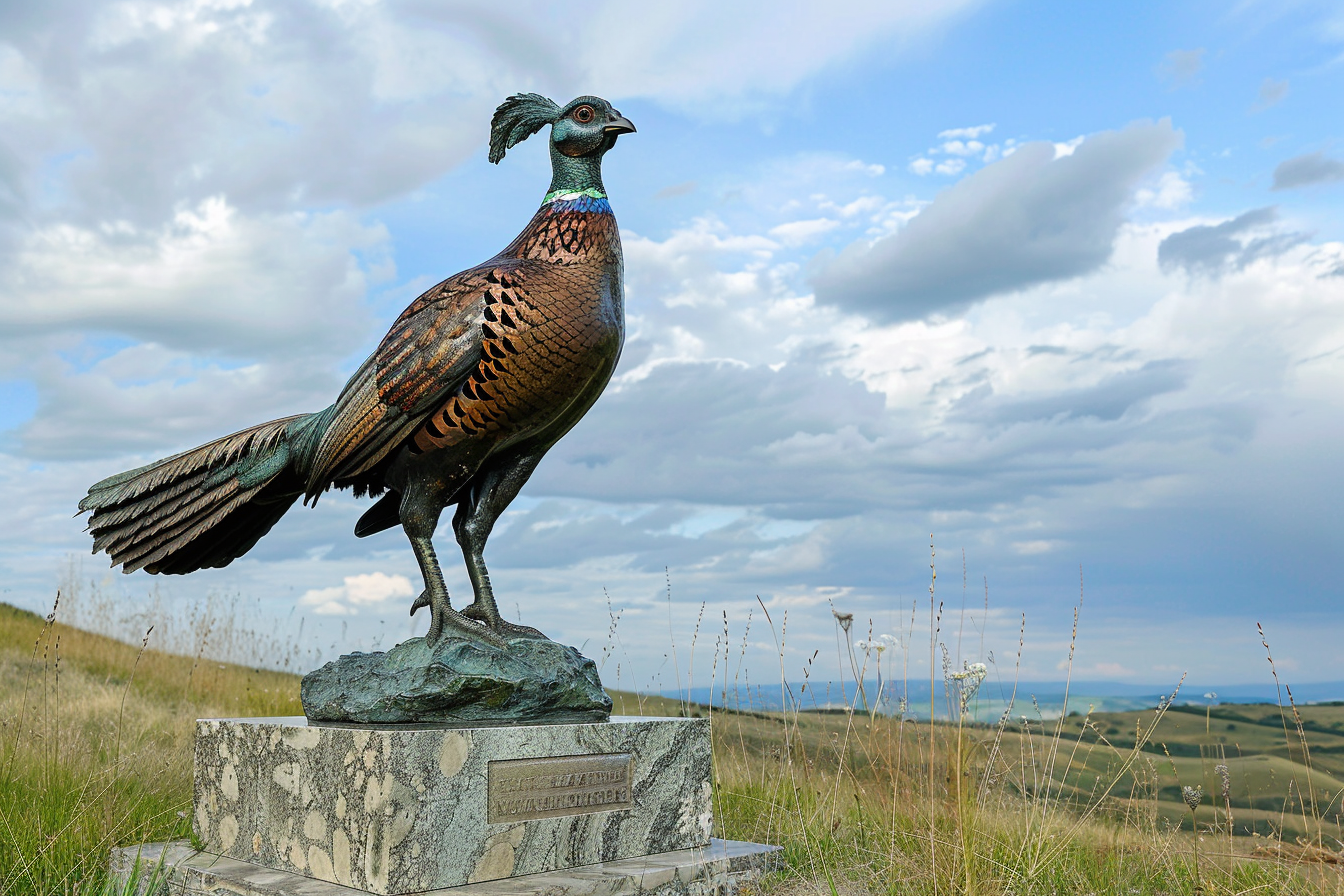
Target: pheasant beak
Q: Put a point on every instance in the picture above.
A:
(619, 125)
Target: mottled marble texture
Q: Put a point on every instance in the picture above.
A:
(396, 810)
(720, 869)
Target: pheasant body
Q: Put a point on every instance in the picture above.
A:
(473, 383)
(552, 324)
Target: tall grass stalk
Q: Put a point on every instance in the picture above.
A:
(121, 713)
(97, 745)
(98, 755)
(862, 801)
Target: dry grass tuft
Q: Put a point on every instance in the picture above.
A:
(96, 745)
(95, 752)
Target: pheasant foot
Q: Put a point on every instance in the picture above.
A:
(444, 619)
(500, 626)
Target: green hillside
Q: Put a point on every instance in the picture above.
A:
(95, 752)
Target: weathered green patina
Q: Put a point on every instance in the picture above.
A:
(458, 680)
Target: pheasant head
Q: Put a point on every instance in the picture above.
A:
(581, 133)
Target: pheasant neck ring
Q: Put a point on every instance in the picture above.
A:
(569, 195)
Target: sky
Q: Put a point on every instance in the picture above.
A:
(1057, 292)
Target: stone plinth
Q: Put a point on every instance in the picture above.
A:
(395, 810)
(720, 869)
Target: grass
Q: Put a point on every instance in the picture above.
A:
(96, 745)
(95, 752)
(1102, 803)
(851, 803)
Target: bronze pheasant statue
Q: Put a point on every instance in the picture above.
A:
(474, 382)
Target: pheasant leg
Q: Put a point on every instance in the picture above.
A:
(485, 610)
(475, 518)
(442, 617)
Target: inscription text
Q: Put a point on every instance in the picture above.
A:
(522, 789)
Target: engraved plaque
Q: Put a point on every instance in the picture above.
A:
(523, 789)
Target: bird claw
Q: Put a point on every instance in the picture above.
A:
(443, 619)
(471, 612)
(510, 631)
(499, 626)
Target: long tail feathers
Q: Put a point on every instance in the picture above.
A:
(202, 508)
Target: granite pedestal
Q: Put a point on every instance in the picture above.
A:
(723, 868)
(395, 810)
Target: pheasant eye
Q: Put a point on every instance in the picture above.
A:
(584, 114)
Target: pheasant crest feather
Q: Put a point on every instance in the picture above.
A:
(517, 118)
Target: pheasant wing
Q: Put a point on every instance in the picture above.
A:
(430, 350)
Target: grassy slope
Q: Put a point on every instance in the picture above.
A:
(95, 751)
(1267, 769)
(1274, 773)
(90, 758)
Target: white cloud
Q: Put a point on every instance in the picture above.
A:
(208, 279)
(961, 144)
(367, 591)
(146, 398)
(692, 257)
(1171, 192)
(326, 601)
(959, 148)
(862, 206)
(376, 588)
(797, 233)
(282, 106)
(157, 336)
(971, 133)
(1032, 217)
(870, 169)
(795, 598)
(697, 52)
(1067, 147)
